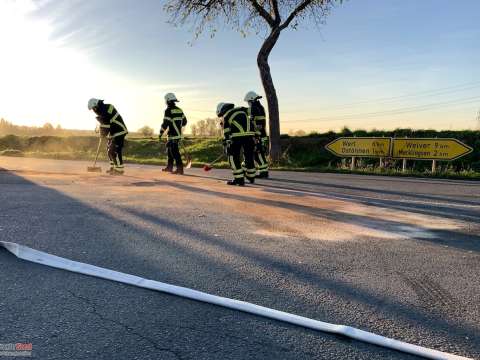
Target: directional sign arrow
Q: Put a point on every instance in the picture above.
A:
(429, 149)
(360, 147)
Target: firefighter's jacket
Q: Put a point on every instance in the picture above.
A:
(237, 123)
(173, 120)
(111, 123)
(257, 116)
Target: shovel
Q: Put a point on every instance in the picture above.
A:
(209, 166)
(96, 168)
(188, 158)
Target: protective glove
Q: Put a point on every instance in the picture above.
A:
(265, 142)
(226, 146)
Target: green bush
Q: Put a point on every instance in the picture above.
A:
(306, 152)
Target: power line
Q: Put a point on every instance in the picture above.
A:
(392, 112)
(428, 93)
(422, 94)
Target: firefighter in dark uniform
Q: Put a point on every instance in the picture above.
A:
(113, 128)
(239, 133)
(257, 116)
(173, 120)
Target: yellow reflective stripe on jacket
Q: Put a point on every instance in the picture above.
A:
(107, 126)
(176, 111)
(120, 133)
(237, 125)
(259, 117)
(125, 131)
(114, 118)
(228, 112)
(175, 127)
(110, 109)
(249, 133)
(119, 124)
(179, 134)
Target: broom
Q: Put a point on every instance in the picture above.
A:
(209, 166)
(188, 157)
(96, 168)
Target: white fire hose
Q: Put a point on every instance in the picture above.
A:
(39, 257)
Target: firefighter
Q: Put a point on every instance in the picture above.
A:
(173, 120)
(113, 128)
(239, 134)
(257, 116)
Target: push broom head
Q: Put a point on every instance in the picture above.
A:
(207, 167)
(94, 169)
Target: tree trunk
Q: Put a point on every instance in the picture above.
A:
(272, 100)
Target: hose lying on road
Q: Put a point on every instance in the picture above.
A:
(26, 253)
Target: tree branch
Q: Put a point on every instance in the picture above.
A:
(303, 5)
(274, 5)
(263, 13)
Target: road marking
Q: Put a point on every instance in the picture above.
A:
(39, 257)
(366, 198)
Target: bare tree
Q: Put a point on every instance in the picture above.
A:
(146, 131)
(270, 17)
(207, 127)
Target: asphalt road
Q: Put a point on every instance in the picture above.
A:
(398, 257)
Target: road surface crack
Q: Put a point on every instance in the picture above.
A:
(129, 329)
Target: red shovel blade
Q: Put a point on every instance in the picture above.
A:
(207, 167)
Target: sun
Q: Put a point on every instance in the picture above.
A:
(36, 71)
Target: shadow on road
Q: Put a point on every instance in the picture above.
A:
(51, 221)
(451, 238)
(407, 204)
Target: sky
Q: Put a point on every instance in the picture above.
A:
(374, 64)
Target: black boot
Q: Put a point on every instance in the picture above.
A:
(168, 169)
(251, 179)
(263, 175)
(239, 182)
(179, 170)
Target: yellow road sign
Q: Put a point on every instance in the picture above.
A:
(360, 147)
(429, 149)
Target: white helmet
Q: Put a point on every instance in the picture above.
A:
(219, 108)
(252, 96)
(170, 97)
(93, 103)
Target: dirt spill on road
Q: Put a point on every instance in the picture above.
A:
(273, 215)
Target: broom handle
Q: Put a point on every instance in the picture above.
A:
(98, 151)
(218, 158)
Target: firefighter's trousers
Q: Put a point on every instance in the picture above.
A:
(247, 144)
